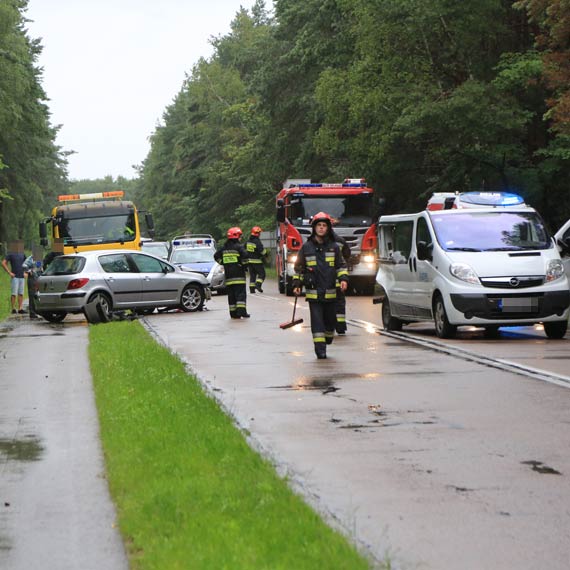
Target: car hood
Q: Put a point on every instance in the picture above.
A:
(500, 263)
(203, 267)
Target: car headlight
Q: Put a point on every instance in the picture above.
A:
(554, 270)
(292, 259)
(464, 272)
(368, 259)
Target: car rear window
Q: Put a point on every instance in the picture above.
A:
(64, 265)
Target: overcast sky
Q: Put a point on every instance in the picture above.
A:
(111, 67)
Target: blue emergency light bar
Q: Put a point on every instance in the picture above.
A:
(193, 242)
(491, 198)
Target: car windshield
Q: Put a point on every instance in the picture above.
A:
(198, 255)
(64, 265)
(155, 248)
(348, 211)
(108, 229)
(491, 231)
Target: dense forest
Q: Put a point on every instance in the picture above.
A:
(414, 96)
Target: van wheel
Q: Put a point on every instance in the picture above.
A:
(389, 322)
(443, 329)
(556, 329)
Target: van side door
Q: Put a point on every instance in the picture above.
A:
(422, 264)
(395, 273)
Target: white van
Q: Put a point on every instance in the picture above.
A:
(480, 265)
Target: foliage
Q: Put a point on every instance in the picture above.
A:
(32, 167)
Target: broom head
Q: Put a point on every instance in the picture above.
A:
(290, 324)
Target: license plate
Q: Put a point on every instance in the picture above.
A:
(518, 304)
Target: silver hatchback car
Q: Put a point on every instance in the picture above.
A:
(116, 280)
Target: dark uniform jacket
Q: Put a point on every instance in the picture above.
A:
(344, 247)
(318, 267)
(233, 257)
(255, 250)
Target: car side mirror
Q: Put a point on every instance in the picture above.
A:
(564, 245)
(424, 251)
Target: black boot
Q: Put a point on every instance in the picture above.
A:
(321, 350)
(252, 290)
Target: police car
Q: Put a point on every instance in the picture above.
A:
(195, 252)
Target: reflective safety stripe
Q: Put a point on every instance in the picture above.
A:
(330, 259)
(230, 257)
(330, 294)
(342, 273)
(311, 294)
(341, 318)
(311, 263)
(319, 337)
(259, 280)
(329, 334)
(240, 305)
(236, 281)
(311, 258)
(254, 260)
(250, 247)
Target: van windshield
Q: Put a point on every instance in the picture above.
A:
(491, 231)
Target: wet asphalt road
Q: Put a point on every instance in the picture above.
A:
(433, 461)
(55, 508)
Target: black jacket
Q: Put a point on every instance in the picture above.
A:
(318, 267)
(255, 250)
(233, 257)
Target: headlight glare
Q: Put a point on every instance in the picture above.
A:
(464, 272)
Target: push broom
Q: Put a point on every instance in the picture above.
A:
(293, 322)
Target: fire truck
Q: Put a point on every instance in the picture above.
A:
(100, 220)
(350, 204)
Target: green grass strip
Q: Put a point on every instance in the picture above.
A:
(190, 493)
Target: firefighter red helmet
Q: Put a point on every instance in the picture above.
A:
(321, 217)
(255, 231)
(234, 233)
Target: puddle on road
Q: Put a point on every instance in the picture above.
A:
(325, 382)
(27, 449)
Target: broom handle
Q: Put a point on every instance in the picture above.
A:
(294, 308)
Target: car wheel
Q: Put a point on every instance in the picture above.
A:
(389, 322)
(556, 329)
(443, 329)
(98, 308)
(192, 298)
(53, 316)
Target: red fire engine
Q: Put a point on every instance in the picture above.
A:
(351, 206)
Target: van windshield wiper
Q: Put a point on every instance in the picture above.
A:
(510, 248)
(462, 249)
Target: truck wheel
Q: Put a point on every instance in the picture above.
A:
(443, 329)
(389, 322)
(556, 329)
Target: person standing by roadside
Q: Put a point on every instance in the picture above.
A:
(318, 267)
(256, 253)
(233, 257)
(16, 258)
(33, 267)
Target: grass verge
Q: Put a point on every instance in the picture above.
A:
(5, 307)
(189, 491)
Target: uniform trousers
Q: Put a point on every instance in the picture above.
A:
(323, 321)
(340, 311)
(237, 300)
(256, 276)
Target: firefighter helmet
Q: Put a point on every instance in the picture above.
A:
(321, 217)
(234, 233)
(255, 231)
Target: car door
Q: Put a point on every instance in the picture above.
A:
(159, 284)
(123, 281)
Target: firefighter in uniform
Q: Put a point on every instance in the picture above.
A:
(340, 295)
(318, 267)
(233, 257)
(256, 253)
